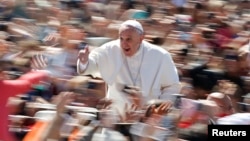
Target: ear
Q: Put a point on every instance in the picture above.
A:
(142, 37)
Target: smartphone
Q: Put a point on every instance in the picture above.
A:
(82, 45)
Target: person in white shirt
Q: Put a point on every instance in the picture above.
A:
(62, 63)
(131, 61)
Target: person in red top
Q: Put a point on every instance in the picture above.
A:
(10, 88)
(35, 77)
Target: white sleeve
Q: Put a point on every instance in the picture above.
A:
(81, 67)
(169, 90)
(170, 83)
(88, 68)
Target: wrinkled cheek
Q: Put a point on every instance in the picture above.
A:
(124, 45)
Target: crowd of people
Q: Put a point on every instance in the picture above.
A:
(122, 70)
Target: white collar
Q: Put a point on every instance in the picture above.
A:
(139, 52)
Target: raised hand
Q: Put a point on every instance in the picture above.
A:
(84, 55)
(134, 95)
(159, 107)
(63, 99)
(104, 103)
(132, 114)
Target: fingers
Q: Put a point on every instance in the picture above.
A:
(66, 98)
(134, 96)
(134, 107)
(87, 49)
(120, 116)
(130, 113)
(104, 104)
(163, 108)
(51, 37)
(62, 100)
(168, 104)
(83, 55)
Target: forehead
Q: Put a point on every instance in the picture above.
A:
(74, 30)
(127, 30)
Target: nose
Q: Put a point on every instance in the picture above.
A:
(123, 43)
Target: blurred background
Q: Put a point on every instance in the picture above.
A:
(209, 41)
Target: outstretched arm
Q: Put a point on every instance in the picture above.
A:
(53, 129)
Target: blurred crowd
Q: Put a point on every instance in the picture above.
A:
(45, 98)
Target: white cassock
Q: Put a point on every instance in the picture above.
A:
(151, 68)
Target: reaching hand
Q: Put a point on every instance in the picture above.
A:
(52, 39)
(134, 95)
(156, 110)
(104, 103)
(62, 100)
(132, 114)
(161, 109)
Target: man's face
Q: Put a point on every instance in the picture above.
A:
(75, 34)
(130, 40)
(231, 65)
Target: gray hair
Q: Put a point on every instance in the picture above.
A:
(135, 25)
(134, 28)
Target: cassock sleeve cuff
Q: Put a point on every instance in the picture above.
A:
(81, 67)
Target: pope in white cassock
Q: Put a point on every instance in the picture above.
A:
(131, 61)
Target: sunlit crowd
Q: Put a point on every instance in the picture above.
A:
(50, 91)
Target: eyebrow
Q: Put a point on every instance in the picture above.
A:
(125, 37)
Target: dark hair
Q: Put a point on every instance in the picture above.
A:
(3, 27)
(211, 16)
(232, 57)
(71, 4)
(199, 6)
(4, 64)
(244, 1)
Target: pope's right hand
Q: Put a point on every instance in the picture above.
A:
(83, 55)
